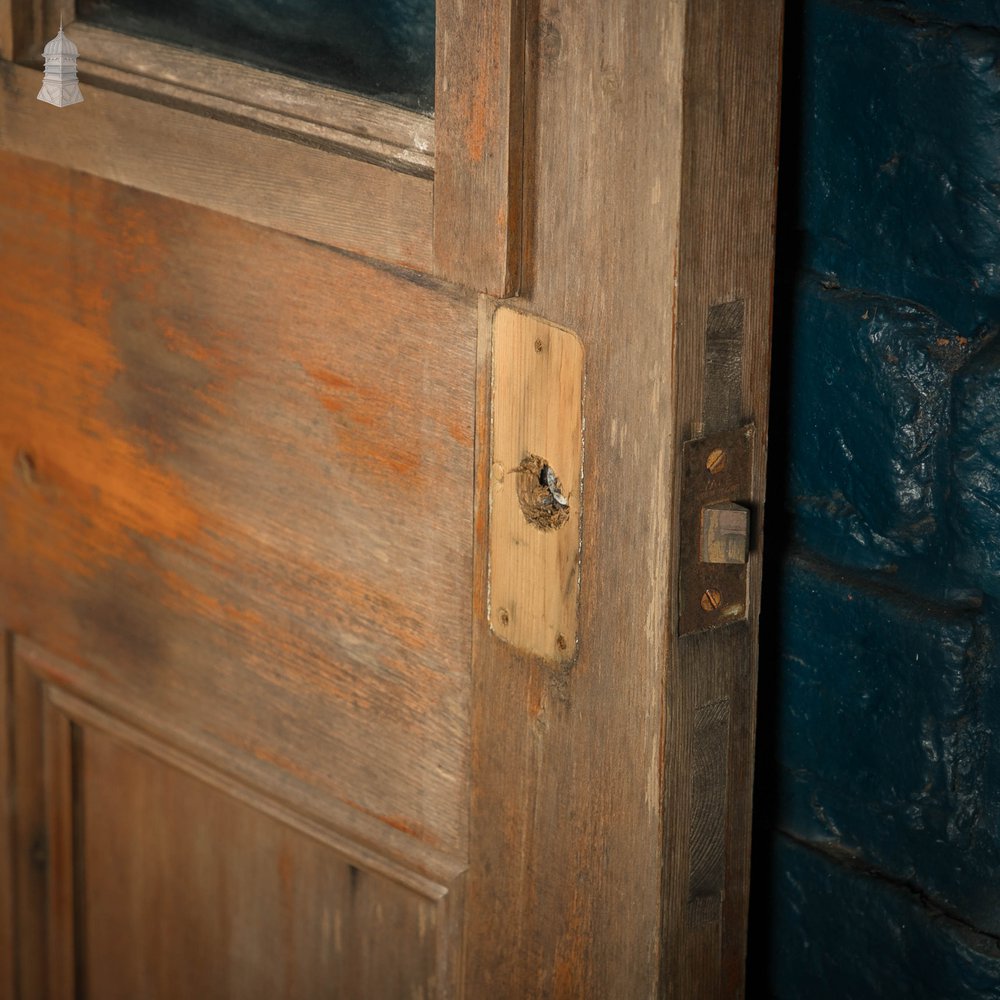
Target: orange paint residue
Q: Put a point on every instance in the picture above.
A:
(478, 120)
(370, 424)
(87, 465)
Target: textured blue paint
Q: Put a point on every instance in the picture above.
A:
(983, 13)
(890, 708)
(900, 160)
(885, 780)
(975, 482)
(841, 934)
(871, 417)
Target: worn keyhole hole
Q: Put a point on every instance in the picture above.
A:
(544, 502)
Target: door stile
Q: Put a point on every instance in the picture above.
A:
(567, 836)
(610, 808)
(478, 133)
(723, 327)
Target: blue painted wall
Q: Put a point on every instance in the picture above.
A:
(877, 860)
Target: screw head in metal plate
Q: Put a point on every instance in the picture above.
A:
(711, 600)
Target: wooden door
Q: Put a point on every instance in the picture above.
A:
(267, 731)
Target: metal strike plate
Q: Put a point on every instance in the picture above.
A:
(715, 529)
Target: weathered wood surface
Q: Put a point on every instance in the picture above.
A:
(478, 110)
(152, 883)
(361, 126)
(731, 64)
(566, 836)
(581, 819)
(20, 29)
(8, 871)
(308, 191)
(62, 875)
(269, 151)
(274, 914)
(235, 473)
(25, 793)
(536, 414)
(237, 490)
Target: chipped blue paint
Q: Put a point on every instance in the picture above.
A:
(879, 873)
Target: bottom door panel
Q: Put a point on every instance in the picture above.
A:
(187, 892)
(141, 875)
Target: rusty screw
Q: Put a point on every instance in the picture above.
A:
(711, 600)
(716, 461)
(503, 616)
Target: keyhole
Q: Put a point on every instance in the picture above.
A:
(544, 502)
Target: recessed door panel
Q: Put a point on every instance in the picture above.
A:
(235, 475)
(187, 892)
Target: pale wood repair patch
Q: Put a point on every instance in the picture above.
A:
(537, 436)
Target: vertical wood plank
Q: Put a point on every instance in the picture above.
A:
(30, 843)
(60, 826)
(21, 23)
(567, 836)
(725, 266)
(478, 143)
(581, 811)
(8, 956)
(8, 32)
(709, 765)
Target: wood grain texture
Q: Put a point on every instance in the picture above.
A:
(61, 874)
(235, 473)
(478, 109)
(21, 25)
(8, 938)
(360, 126)
(709, 766)
(153, 883)
(189, 893)
(582, 778)
(723, 367)
(567, 836)
(536, 412)
(310, 192)
(433, 882)
(31, 849)
(235, 491)
(731, 65)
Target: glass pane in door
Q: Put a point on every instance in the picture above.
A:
(382, 48)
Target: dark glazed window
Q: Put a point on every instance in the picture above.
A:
(382, 48)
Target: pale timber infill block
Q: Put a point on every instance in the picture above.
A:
(535, 484)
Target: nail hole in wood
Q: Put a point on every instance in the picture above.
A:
(24, 463)
(540, 494)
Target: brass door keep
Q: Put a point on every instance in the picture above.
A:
(715, 530)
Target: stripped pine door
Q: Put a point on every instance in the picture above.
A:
(342, 493)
